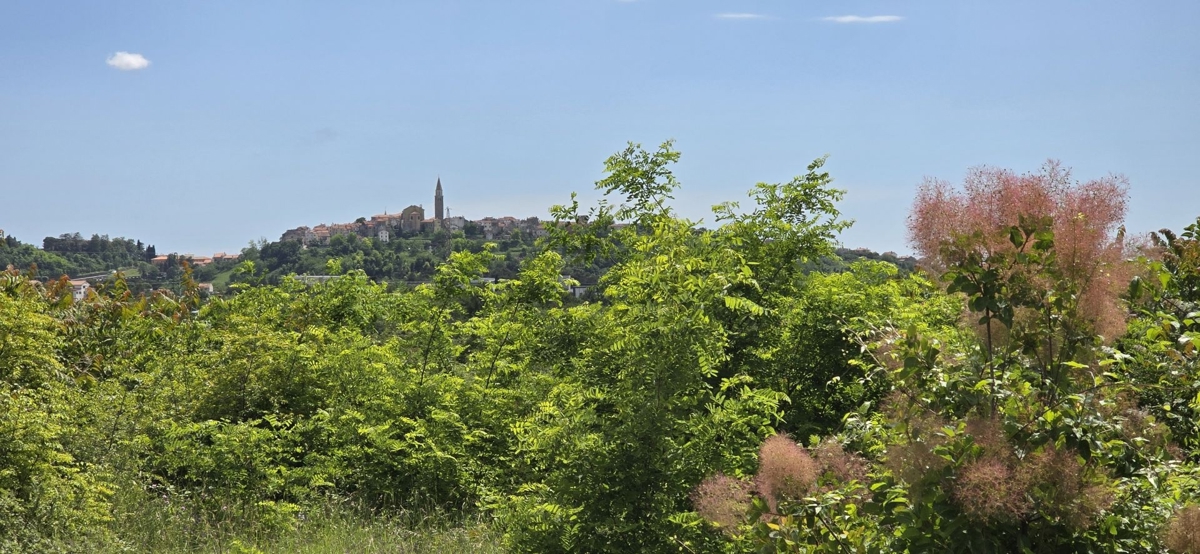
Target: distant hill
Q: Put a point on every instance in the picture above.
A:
(74, 255)
(98, 256)
(413, 258)
(403, 259)
(843, 257)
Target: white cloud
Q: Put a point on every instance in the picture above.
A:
(128, 62)
(740, 16)
(864, 19)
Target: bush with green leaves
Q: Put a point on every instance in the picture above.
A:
(49, 499)
(1030, 438)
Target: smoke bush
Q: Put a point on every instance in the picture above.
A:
(1068, 493)
(989, 491)
(1085, 219)
(785, 470)
(723, 500)
(835, 462)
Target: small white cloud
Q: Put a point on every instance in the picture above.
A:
(864, 19)
(740, 16)
(128, 62)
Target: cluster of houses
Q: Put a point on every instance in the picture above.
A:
(412, 220)
(196, 261)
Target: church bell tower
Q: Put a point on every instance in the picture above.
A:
(438, 212)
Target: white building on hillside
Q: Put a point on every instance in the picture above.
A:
(79, 288)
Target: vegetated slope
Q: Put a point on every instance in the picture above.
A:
(97, 258)
(405, 258)
(73, 255)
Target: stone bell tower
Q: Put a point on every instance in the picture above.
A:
(438, 210)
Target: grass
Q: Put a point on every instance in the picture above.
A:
(221, 281)
(148, 524)
(365, 536)
(471, 539)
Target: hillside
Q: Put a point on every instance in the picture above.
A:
(404, 259)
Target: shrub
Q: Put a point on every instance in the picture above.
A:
(723, 500)
(1084, 219)
(785, 470)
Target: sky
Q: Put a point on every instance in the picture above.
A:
(199, 126)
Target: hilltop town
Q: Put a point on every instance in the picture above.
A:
(398, 247)
(411, 221)
(403, 247)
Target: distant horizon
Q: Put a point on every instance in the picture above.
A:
(203, 126)
(588, 193)
(163, 251)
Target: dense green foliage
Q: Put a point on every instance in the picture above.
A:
(74, 255)
(285, 408)
(404, 259)
(1023, 432)
(100, 257)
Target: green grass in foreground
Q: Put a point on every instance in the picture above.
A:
(368, 537)
(156, 526)
(328, 536)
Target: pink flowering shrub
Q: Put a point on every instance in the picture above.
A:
(785, 470)
(723, 500)
(1085, 218)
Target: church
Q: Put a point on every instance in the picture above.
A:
(410, 220)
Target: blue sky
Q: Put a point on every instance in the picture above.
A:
(254, 117)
